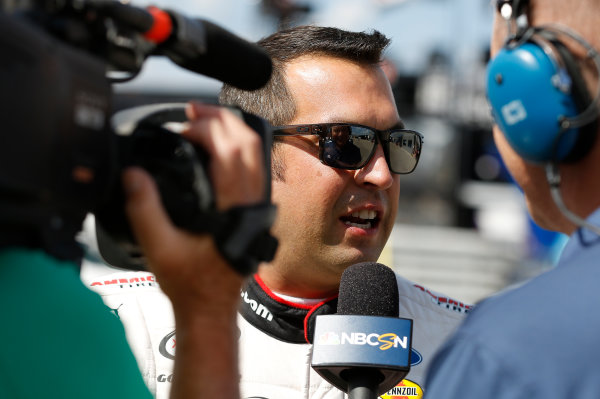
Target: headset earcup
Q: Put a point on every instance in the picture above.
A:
(523, 89)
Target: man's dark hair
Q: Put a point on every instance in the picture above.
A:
(274, 101)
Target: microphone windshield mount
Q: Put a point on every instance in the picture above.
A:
(368, 289)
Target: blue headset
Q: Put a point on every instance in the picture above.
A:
(537, 94)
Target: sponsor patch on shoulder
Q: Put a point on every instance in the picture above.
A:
(445, 302)
(406, 389)
(167, 345)
(415, 357)
(127, 280)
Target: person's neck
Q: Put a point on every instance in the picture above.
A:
(300, 301)
(295, 287)
(578, 190)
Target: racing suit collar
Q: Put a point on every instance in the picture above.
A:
(284, 320)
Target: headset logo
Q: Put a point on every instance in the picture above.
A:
(514, 112)
(384, 341)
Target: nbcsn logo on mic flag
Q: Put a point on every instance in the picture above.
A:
(383, 341)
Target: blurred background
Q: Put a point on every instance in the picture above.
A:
(462, 228)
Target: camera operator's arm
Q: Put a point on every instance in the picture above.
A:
(203, 288)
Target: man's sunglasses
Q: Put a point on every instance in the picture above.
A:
(350, 146)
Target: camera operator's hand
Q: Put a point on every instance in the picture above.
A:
(203, 288)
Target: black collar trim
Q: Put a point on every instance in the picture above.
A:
(281, 319)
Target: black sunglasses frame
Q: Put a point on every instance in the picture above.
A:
(323, 131)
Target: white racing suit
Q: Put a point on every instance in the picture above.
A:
(273, 351)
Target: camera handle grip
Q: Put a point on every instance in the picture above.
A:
(242, 235)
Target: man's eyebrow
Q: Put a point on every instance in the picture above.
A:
(397, 125)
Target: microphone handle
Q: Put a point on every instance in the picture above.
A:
(362, 383)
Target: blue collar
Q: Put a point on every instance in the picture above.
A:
(581, 239)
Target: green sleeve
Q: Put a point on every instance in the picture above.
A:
(58, 338)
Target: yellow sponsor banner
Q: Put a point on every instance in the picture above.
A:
(406, 389)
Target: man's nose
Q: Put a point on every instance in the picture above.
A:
(376, 172)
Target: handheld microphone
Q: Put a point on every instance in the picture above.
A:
(205, 48)
(364, 349)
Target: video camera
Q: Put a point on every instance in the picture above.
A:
(62, 150)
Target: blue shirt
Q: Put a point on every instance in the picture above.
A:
(540, 340)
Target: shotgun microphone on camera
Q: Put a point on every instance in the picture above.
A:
(205, 48)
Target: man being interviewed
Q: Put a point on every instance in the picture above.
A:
(335, 208)
(339, 149)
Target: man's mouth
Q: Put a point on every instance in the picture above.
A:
(363, 219)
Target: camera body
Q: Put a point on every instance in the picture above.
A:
(56, 145)
(62, 151)
(147, 136)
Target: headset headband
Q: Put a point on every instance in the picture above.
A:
(515, 13)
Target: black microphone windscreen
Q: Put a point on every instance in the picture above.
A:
(232, 59)
(368, 289)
